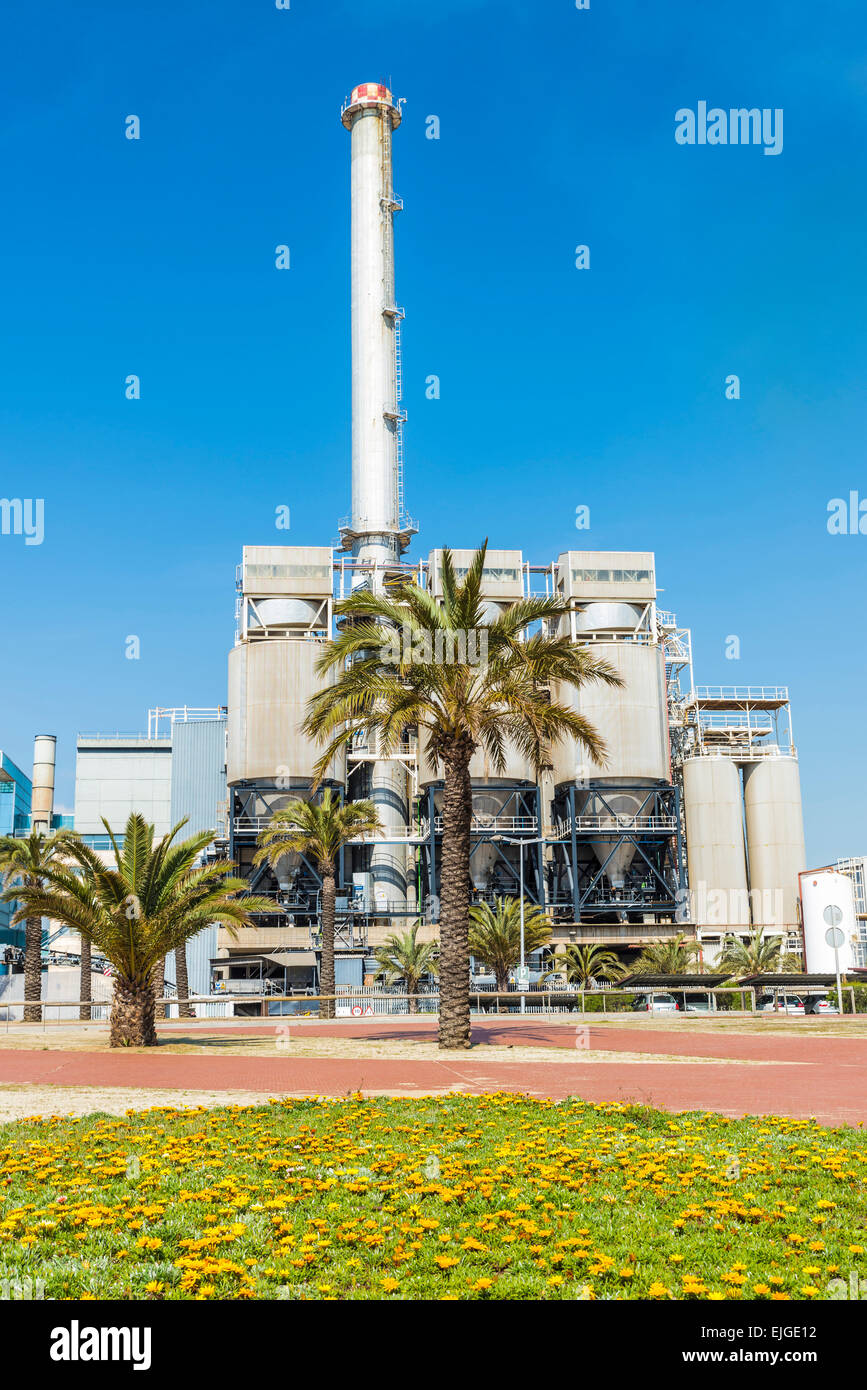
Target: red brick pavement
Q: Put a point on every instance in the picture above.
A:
(821, 1077)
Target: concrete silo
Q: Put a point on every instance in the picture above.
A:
(716, 857)
(775, 840)
(285, 621)
(745, 845)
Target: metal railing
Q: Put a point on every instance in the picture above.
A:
(522, 824)
(741, 692)
(613, 821)
(752, 721)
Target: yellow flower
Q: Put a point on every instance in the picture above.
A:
(389, 1285)
(657, 1290)
(445, 1261)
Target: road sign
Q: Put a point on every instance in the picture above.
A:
(522, 976)
(357, 1011)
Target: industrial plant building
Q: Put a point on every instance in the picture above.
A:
(693, 826)
(694, 823)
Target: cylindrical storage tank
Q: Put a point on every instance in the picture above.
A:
(715, 844)
(518, 768)
(270, 684)
(775, 840)
(827, 901)
(42, 796)
(631, 719)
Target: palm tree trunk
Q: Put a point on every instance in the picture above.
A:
(158, 985)
(454, 1025)
(326, 968)
(184, 1007)
(85, 988)
(132, 1014)
(32, 969)
(412, 991)
(502, 987)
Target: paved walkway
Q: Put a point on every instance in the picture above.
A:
(824, 1077)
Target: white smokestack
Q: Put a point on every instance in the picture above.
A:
(371, 115)
(377, 533)
(42, 797)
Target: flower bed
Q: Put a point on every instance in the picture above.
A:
(457, 1197)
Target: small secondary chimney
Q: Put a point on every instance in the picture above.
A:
(42, 798)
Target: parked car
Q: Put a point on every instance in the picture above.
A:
(655, 1003)
(784, 1004)
(820, 1004)
(698, 1004)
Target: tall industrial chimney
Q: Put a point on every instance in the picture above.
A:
(42, 796)
(375, 531)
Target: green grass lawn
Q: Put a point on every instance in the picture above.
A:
(458, 1197)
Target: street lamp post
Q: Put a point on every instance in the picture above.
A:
(521, 842)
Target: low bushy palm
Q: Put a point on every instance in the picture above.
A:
(761, 955)
(402, 957)
(495, 935)
(155, 897)
(584, 965)
(676, 956)
(25, 860)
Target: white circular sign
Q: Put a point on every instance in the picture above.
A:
(833, 915)
(357, 1011)
(835, 937)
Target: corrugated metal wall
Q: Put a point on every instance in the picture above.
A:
(349, 971)
(198, 773)
(198, 787)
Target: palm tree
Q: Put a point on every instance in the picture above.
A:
(457, 706)
(320, 830)
(495, 935)
(27, 860)
(762, 955)
(185, 1008)
(85, 979)
(408, 959)
(584, 965)
(676, 956)
(155, 897)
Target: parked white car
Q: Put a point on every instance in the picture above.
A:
(820, 1004)
(783, 1004)
(655, 1003)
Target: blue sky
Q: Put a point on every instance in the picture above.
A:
(559, 387)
